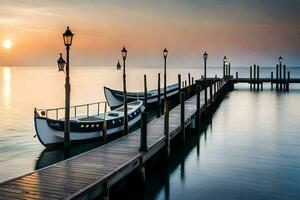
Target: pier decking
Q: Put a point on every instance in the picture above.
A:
(92, 173)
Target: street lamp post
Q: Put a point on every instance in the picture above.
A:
(124, 56)
(280, 71)
(224, 65)
(165, 54)
(205, 55)
(68, 38)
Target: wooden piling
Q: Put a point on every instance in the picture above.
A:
(198, 106)
(211, 100)
(104, 131)
(179, 83)
(236, 75)
(158, 90)
(185, 84)
(215, 88)
(145, 91)
(143, 139)
(182, 116)
(166, 131)
(258, 82)
(277, 77)
(254, 77)
(272, 80)
(288, 84)
(280, 76)
(205, 101)
(189, 77)
(250, 77)
(192, 80)
(284, 78)
(229, 69)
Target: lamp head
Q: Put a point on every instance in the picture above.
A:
(124, 52)
(205, 55)
(165, 52)
(61, 63)
(118, 65)
(68, 37)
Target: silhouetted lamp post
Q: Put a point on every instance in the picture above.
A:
(124, 56)
(280, 71)
(68, 38)
(224, 65)
(205, 55)
(165, 54)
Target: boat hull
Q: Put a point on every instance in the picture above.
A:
(115, 98)
(51, 136)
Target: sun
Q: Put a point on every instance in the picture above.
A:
(7, 44)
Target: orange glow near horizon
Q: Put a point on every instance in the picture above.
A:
(187, 30)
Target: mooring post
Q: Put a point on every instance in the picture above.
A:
(182, 117)
(258, 82)
(158, 90)
(272, 80)
(254, 77)
(229, 69)
(205, 100)
(189, 77)
(143, 139)
(179, 86)
(250, 77)
(198, 106)
(288, 84)
(284, 77)
(104, 131)
(211, 100)
(236, 75)
(215, 88)
(192, 80)
(280, 75)
(215, 84)
(166, 131)
(145, 91)
(185, 84)
(277, 77)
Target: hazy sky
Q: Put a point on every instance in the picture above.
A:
(247, 31)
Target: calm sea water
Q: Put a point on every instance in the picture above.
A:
(251, 150)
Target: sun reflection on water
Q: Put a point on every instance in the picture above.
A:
(6, 87)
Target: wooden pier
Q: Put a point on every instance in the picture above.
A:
(92, 173)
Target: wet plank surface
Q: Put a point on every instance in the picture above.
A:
(75, 177)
